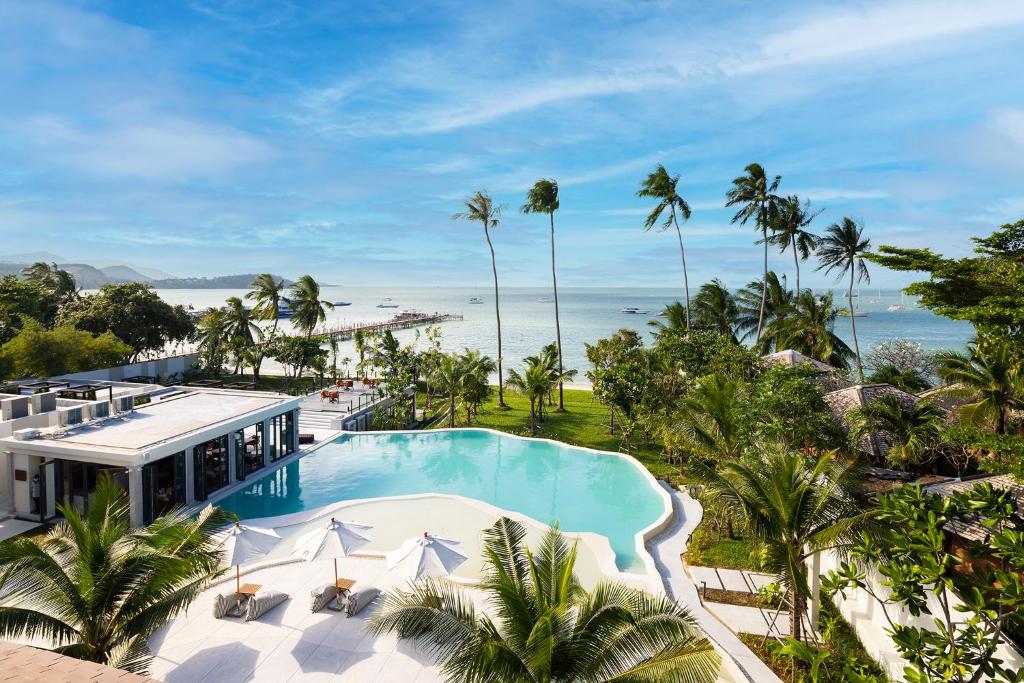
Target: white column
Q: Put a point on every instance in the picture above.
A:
(815, 577)
(232, 455)
(266, 442)
(135, 495)
(190, 476)
(295, 430)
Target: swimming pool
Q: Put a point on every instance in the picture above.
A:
(580, 489)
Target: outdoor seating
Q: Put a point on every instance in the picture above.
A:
(359, 599)
(342, 589)
(306, 438)
(262, 602)
(322, 596)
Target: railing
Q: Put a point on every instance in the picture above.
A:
(399, 322)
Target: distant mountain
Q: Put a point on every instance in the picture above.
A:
(219, 282)
(86, 276)
(90, 277)
(125, 274)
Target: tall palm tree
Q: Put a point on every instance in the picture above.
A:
(912, 431)
(755, 195)
(308, 309)
(762, 303)
(547, 627)
(267, 294)
(559, 375)
(476, 376)
(240, 329)
(96, 589)
(661, 186)
(543, 198)
(794, 507)
(843, 249)
(534, 383)
(480, 207)
(715, 309)
(447, 377)
(809, 328)
(788, 231)
(992, 376)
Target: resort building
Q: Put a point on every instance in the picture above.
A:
(829, 378)
(845, 401)
(166, 446)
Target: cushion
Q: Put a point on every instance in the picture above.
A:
(263, 602)
(319, 597)
(222, 604)
(359, 599)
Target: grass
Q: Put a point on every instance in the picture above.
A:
(705, 550)
(584, 423)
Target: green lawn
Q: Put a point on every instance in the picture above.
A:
(728, 553)
(584, 423)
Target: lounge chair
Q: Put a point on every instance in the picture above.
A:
(264, 601)
(358, 599)
(224, 603)
(322, 596)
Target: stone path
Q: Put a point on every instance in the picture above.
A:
(729, 579)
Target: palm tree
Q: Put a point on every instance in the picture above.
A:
(96, 589)
(711, 419)
(843, 249)
(757, 199)
(239, 324)
(211, 337)
(675, 320)
(559, 375)
(308, 309)
(480, 207)
(715, 308)
(788, 231)
(762, 303)
(794, 507)
(909, 380)
(266, 292)
(992, 376)
(476, 387)
(361, 347)
(534, 383)
(59, 282)
(809, 328)
(661, 186)
(912, 431)
(447, 378)
(547, 627)
(543, 198)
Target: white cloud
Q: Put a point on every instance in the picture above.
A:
(831, 194)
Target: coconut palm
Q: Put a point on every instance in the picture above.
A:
(755, 195)
(788, 231)
(710, 419)
(843, 249)
(480, 207)
(547, 627)
(211, 337)
(240, 330)
(533, 383)
(715, 308)
(476, 380)
(543, 198)
(266, 292)
(675, 320)
(990, 376)
(909, 380)
(96, 589)
(762, 303)
(794, 507)
(308, 309)
(809, 328)
(911, 431)
(59, 282)
(559, 375)
(661, 186)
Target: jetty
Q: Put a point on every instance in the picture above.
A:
(401, 321)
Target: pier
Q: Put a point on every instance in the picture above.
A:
(401, 321)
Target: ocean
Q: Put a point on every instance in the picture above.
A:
(587, 314)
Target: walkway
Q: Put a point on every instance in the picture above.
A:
(730, 579)
(667, 550)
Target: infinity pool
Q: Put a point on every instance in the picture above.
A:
(579, 489)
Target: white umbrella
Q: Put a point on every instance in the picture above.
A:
(336, 539)
(243, 543)
(426, 556)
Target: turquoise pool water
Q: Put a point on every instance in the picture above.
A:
(581, 490)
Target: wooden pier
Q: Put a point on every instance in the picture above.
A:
(402, 321)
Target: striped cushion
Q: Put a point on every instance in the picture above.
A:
(263, 602)
(359, 599)
(222, 604)
(319, 598)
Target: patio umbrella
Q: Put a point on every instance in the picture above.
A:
(426, 556)
(336, 539)
(243, 543)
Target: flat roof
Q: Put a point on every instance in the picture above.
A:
(170, 419)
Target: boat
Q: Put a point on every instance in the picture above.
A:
(284, 312)
(900, 307)
(845, 313)
(387, 303)
(544, 300)
(633, 310)
(475, 300)
(342, 303)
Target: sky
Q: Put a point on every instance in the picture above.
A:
(337, 138)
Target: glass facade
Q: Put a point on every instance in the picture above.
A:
(282, 431)
(210, 463)
(75, 482)
(163, 486)
(248, 450)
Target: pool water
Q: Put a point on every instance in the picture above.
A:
(579, 489)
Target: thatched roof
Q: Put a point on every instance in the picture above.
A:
(970, 527)
(845, 401)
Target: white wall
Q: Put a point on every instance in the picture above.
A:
(160, 368)
(867, 618)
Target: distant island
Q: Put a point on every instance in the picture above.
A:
(218, 282)
(91, 277)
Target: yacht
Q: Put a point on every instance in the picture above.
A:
(900, 307)
(544, 300)
(475, 300)
(342, 303)
(387, 303)
(845, 313)
(633, 310)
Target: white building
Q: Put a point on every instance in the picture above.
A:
(166, 446)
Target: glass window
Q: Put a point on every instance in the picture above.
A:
(248, 450)
(282, 442)
(210, 460)
(163, 486)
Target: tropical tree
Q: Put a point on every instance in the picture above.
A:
(547, 627)
(675, 319)
(559, 375)
(809, 328)
(755, 195)
(59, 282)
(361, 347)
(480, 207)
(267, 293)
(96, 589)
(710, 419)
(908, 380)
(463, 379)
(543, 198)
(789, 233)
(476, 380)
(715, 309)
(912, 431)
(240, 328)
(763, 303)
(308, 309)
(211, 337)
(794, 507)
(844, 249)
(991, 376)
(533, 383)
(661, 186)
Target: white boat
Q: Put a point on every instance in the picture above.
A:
(900, 307)
(342, 303)
(387, 303)
(475, 300)
(544, 300)
(845, 313)
(633, 310)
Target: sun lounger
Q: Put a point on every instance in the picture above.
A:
(264, 601)
(224, 603)
(359, 599)
(320, 597)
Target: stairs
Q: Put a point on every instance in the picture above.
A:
(321, 421)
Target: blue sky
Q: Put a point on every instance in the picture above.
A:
(337, 138)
